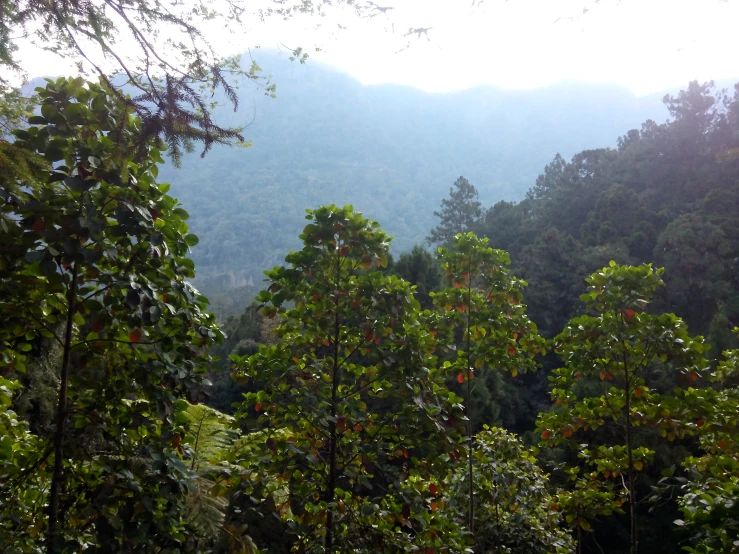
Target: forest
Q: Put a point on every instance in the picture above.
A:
(557, 373)
(327, 139)
(538, 383)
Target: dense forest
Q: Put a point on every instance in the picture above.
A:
(553, 375)
(580, 215)
(360, 404)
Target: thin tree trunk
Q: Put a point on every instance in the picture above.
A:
(497, 521)
(471, 523)
(61, 417)
(629, 451)
(331, 489)
(632, 473)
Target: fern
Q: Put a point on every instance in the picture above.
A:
(216, 451)
(209, 441)
(210, 438)
(207, 506)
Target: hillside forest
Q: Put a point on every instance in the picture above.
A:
(558, 374)
(327, 139)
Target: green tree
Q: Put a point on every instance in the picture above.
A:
(458, 214)
(350, 395)
(514, 510)
(699, 252)
(485, 320)
(23, 477)
(420, 269)
(95, 259)
(636, 357)
(708, 501)
(585, 500)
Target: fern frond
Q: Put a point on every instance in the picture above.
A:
(210, 435)
(238, 541)
(206, 508)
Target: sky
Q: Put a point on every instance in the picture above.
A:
(645, 45)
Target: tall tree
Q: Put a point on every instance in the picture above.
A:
(458, 214)
(350, 395)
(636, 357)
(94, 258)
(515, 511)
(485, 320)
(708, 500)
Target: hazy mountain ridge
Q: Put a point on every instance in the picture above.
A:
(390, 150)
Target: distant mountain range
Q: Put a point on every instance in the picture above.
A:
(391, 151)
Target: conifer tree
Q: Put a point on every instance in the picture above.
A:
(458, 214)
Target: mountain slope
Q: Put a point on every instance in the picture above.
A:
(391, 151)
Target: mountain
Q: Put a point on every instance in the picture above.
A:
(391, 151)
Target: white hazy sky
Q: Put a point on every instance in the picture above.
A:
(646, 45)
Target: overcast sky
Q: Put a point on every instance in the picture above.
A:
(646, 45)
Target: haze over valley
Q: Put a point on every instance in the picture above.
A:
(391, 151)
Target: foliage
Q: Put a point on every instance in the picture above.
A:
(353, 384)
(619, 365)
(96, 260)
(666, 195)
(420, 269)
(22, 476)
(458, 213)
(16, 164)
(209, 433)
(484, 318)
(708, 503)
(15, 109)
(349, 438)
(514, 511)
(484, 311)
(586, 500)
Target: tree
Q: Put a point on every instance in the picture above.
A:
(420, 269)
(23, 477)
(350, 395)
(95, 259)
(515, 512)
(708, 501)
(585, 500)
(485, 321)
(157, 50)
(699, 251)
(458, 214)
(635, 357)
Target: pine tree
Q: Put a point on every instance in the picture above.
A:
(458, 214)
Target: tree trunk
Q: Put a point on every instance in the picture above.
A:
(331, 488)
(61, 417)
(471, 522)
(632, 488)
(629, 452)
